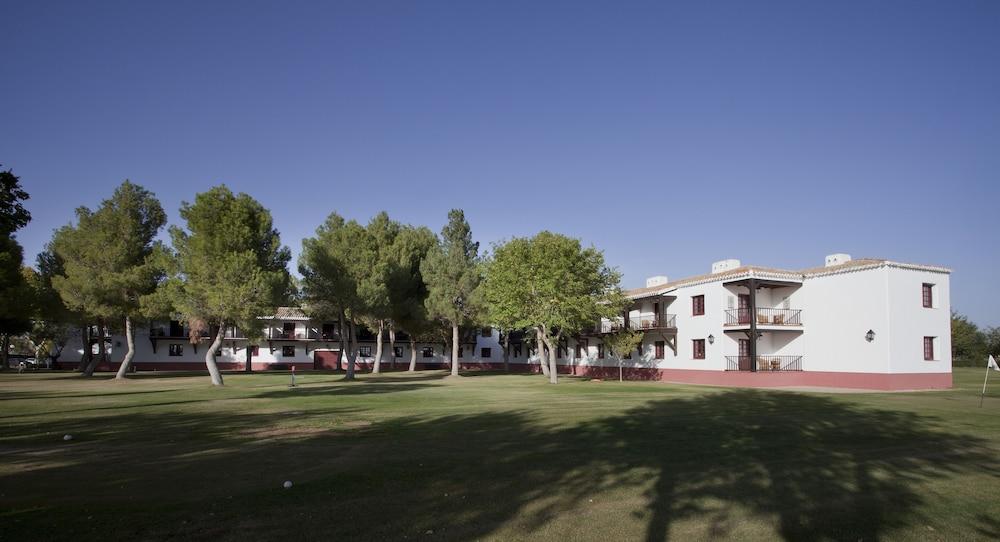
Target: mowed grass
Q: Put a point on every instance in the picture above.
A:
(488, 456)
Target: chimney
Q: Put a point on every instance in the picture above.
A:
(837, 259)
(725, 265)
(656, 281)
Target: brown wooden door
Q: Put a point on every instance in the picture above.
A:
(744, 354)
(326, 359)
(744, 309)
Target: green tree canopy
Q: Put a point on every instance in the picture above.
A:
(407, 290)
(452, 274)
(553, 285)
(331, 265)
(968, 344)
(15, 305)
(111, 261)
(13, 215)
(229, 266)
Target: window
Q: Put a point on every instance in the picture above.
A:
(929, 348)
(461, 351)
(487, 332)
(697, 305)
(698, 348)
(218, 353)
(928, 295)
(516, 347)
(176, 329)
(364, 351)
(329, 331)
(428, 351)
(287, 351)
(255, 350)
(485, 353)
(176, 350)
(560, 351)
(397, 352)
(579, 351)
(600, 351)
(659, 349)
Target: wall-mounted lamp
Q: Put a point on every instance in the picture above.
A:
(870, 336)
(711, 339)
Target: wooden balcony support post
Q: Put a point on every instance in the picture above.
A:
(752, 284)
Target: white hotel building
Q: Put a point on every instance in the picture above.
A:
(867, 323)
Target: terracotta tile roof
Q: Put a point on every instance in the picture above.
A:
(286, 313)
(772, 272)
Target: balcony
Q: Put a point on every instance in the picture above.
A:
(653, 322)
(765, 317)
(611, 326)
(647, 322)
(764, 363)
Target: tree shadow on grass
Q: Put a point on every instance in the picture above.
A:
(369, 388)
(812, 467)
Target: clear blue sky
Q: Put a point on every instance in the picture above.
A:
(669, 135)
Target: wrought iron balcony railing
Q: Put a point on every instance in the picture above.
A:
(764, 316)
(764, 363)
(654, 321)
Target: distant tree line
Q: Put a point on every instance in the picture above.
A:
(970, 345)
(107, 272)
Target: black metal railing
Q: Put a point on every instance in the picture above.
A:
(653, 321)
(642, 322)
(611, 326)
(764, 316)
(765, 363)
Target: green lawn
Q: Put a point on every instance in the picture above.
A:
(490, 457)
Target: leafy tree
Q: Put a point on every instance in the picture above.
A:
(407, 291)
(111, 260)
(13, 215)
(15, 296)
(330, 264)
(14, 291)
(452, 273)
(505, 306)
(968, 343)
(51, 321)
(552, 285)
(622, 343)
(374, 280)
(992, 337)
(228, 269)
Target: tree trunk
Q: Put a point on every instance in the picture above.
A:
(392, 346)
(454, 350)
(102, 346)
(213, 369)
(377, 365)
(5, 346)
(130, 341)
(87, 352)
(542, 359)
(506, 352)
(553, 370)
(93, 362)
(413, 354)
(352, 349)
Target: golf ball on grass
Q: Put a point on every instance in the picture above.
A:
(67, 437)
(287, 484)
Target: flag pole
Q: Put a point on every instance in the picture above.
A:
(983, 394)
